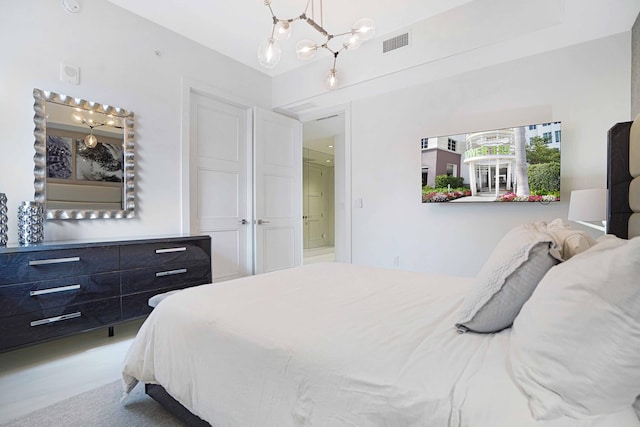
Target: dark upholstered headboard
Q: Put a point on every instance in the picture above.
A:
(623, 179)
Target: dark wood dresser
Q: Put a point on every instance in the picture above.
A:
(55, 289)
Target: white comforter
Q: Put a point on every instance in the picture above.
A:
(332, 345)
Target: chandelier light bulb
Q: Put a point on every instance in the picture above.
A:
(331, 81)
(364, 28)
(282, 30)
(306, 49)
(352, 41)
(90, 141)
(269, 53)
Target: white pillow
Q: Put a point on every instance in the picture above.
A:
(507, 279)
(575, 346)
(568, 241)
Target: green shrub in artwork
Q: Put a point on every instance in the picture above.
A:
(442, 181)
(544, 178)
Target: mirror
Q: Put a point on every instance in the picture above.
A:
(84, 161)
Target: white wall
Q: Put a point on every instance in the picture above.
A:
(116, 52)
(586, 86)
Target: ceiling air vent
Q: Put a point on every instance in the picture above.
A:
(395, 43)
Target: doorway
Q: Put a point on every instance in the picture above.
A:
(242, 180)
(320, 137)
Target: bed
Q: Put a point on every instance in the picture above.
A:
(547, 334)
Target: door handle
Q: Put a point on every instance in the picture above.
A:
(244, 221)
(262, 221)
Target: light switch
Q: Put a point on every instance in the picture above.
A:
(357, 203)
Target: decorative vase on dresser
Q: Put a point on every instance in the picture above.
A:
(3, 219)
(54, 289)
(30, 223)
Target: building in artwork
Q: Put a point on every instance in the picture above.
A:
(491, 159)
(441, 156)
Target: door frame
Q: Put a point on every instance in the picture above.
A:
(342, 182)
(189, 87)
(342, 206)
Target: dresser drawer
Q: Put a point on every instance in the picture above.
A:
(152, 254)
(137, 305)
(165, 276)
(20, 267)
(28, 297)
(56, 322)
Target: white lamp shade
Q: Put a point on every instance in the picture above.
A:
(588, 205)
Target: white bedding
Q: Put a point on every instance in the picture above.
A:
(333, 345)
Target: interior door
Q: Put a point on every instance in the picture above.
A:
(278, 191)
(314, 216)
(220, 136)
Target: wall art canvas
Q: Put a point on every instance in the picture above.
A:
(102, 163)
(59, 157)
(518, 164)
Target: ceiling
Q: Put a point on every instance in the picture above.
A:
(443, 29)
(236, 28)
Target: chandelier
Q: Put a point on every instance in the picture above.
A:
(90, 140)
(269, 51)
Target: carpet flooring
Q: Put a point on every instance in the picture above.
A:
(101, 407)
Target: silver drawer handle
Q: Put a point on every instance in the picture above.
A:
(53, 290)
(54, 261)
(171, 272)
(56, 319)
(169, 250)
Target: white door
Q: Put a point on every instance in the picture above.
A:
(314, 204)
(278, 191)
(220, 184)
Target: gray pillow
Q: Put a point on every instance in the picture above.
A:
(507, 279)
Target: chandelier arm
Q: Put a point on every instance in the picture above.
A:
(342, 34)
(318, 28)
(333, 52)
(271, 10)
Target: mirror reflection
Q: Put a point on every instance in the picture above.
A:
(84, 158)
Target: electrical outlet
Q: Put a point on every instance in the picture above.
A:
(396, 261)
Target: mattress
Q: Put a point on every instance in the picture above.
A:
(333, 345)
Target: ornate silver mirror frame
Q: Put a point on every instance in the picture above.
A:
(42, 98)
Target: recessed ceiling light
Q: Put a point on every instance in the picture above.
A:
(331, 146)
